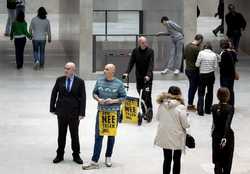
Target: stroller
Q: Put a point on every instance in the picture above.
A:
(144, 112)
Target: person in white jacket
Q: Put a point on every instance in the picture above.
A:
(171, 132)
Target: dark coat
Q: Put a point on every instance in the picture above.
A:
(222, 119)
(235, 22)
(66, 103)
(143, 61)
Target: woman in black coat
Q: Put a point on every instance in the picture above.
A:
(227, 68)
(222, 134)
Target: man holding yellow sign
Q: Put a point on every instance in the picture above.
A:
(109, 92)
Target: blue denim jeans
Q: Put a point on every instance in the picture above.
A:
(39, 51)
(193, 78)
(98, 143)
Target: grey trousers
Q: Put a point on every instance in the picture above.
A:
(176, 53)
(10, 20)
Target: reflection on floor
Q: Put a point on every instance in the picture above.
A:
(28, 131)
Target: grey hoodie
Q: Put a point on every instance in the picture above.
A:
(174, 30)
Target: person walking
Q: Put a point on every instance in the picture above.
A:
(176, 53)
(109, 92)
(191, 52)
(220, 13)
(222, 133)
(236, 23)
(11, 7)
(143, 59)
(171, 131)
(68, 102)
(40, 30)
(228, 59)
(207, 63)
(19, 33)
(20, 6)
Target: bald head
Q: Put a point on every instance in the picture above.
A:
(69, 69)
(109, 71)
(143, 43)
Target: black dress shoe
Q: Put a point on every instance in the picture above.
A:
(58, 159)
(200, 113)
(78, 160)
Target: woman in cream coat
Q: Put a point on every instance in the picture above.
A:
(171, 133)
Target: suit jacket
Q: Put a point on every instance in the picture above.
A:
(66, 103)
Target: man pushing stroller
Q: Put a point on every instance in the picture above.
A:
(143, 59)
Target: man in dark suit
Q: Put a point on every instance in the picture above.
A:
(68, 102)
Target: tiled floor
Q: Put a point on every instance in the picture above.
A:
(28, 131)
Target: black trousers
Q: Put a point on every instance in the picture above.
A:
(223, 157)
(220, 27)
(19, 47)
(146, 95)
(63, 123)
(235, 39)
(206, 82)
(170, 155)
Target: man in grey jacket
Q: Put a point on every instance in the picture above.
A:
(176, 34)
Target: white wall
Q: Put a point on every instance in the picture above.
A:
(207, 7)
(52, 6)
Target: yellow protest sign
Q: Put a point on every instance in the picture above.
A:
(107, 123)
(130, 109)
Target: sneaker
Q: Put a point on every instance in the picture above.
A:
(165, 71)
(191, 108)
(36, 65)
(176, 72)
(90, 165)
(108, 161)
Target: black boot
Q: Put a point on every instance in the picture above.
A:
(58, 159)
(77, 159)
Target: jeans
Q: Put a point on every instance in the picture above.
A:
(98, 143)
(168, 156)
(10, 20)
(19, 47)
(39, 51)
(193, 77)
(229, 83)
(206, 81)
(176, 53)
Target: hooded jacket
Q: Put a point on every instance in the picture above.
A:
(172, 117)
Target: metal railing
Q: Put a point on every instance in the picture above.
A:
(106, 20)
(117, 49)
